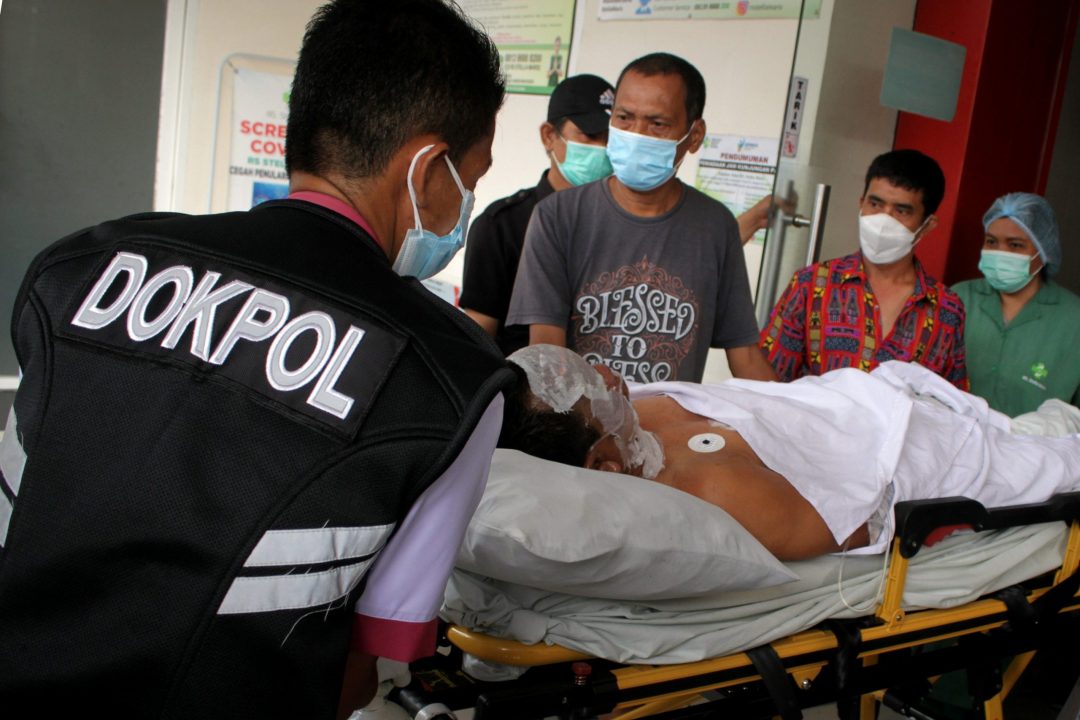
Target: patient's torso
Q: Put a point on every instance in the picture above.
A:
(712, 461)
(836, 438)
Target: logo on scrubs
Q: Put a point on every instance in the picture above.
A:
(1039, 371)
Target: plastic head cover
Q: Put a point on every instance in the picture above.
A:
(560, 378)
(1036, 217)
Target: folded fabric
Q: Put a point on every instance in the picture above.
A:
(606, 535)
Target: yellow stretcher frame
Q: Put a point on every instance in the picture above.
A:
(647, 690)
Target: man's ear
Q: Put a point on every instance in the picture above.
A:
(548, 136)
(428, 175)
(604, 456)
(697, 136)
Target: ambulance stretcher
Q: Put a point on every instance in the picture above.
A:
(887, 657)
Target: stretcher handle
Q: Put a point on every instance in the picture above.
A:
(917, 519)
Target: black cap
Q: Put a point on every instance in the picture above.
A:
(584, 99)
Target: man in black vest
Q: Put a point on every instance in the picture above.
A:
(245, 446)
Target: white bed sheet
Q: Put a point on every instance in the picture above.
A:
(955, 571)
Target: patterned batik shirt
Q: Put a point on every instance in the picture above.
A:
(829, 318)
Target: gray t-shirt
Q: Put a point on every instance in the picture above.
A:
(645, 295)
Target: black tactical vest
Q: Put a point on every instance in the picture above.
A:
(193, 388)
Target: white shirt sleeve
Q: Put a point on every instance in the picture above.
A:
(405, 586)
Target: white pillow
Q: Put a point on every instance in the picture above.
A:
(606, 535)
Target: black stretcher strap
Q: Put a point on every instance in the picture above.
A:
(1023, 617)
(848, 641)
(1058, 596)
(845, 665)
(780, 685)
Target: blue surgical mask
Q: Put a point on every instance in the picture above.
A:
(423, 253)
(584, 163)
(642, 162)
(1006, 272)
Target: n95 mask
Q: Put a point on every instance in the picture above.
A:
(883, 239)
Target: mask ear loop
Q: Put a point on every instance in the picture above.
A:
(678, 142)
(1038, 254)
(454, 173)
(412, 191)
(551, 153)
(918, 237)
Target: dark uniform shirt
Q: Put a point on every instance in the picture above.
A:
(219, 431)
(491, 260)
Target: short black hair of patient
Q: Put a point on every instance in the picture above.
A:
(668, 64)
(546, 434)
(911, 170)
(372, 74)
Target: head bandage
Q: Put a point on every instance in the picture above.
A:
(560, 378)
(1035, 216)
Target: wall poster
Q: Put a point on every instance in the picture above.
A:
(533, 37)
(707, 9)
(260, 112)
(738, 171)
(249, 137)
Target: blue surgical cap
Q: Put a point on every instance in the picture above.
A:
(1036, 217)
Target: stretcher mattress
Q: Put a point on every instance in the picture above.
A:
(952, 572)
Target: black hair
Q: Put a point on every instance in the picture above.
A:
(542, 432)
(911, 170)
(668, 64)
(373, 74)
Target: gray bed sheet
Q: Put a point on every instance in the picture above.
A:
(953, 572)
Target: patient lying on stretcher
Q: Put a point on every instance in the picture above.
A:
(808, 467)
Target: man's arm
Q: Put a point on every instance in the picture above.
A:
(487, 276)
(396, 615)
(490, 324)
(542, 293)
(783, 339)
(359, 685)
(748, 363)
(955, 368)
(547, 335)
(756, 217)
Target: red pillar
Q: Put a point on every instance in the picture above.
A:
(1002, 136)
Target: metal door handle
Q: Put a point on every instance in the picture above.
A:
(774, 246)
(817, 228)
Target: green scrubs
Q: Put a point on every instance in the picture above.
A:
(1034, 358)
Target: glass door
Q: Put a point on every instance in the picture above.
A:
(834, 126)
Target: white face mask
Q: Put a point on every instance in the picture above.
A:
(884, 239)
(560, 377)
